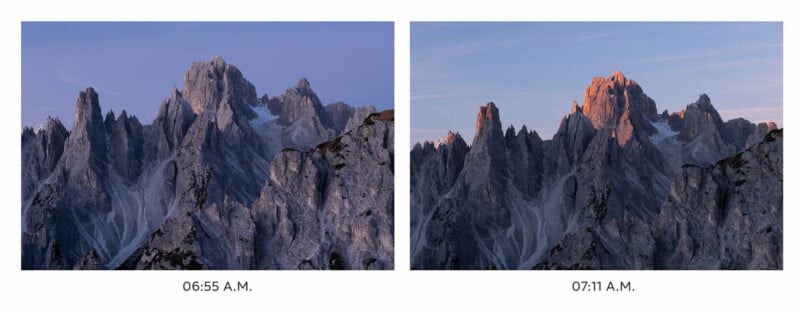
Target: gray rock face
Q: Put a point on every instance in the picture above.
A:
(169, 127)
(619, 102)
(707, 138)
(338, 114)
(760, 131)
(218, 88)
(568, 145)
(332, 207)
(73, 199)
(589, 198)
(454, 218)
(302, 114)
(433, 173)
(296, 103)
(125, 145)
(303, 121)
(40, 153)
(729, 216)
(85, 148)
(525, 160)
(359, 115)
(181, 192)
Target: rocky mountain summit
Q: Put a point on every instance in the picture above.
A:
(221, 179)
(619, 186)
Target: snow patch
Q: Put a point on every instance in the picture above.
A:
(262, 117)
(664, 132)
(666, 140)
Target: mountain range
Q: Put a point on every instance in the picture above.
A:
(221, 179)
(619, 186)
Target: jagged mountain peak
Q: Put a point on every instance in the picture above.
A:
(700, 114)
(703, 104)
(488, 119)
(488, 145)
(295, 103)
(703, 101)
(53, 123)
(85, 157)
(619, 77)
(608, 99)
(573, 118)
(453, 137)
(303, 85)
(511, 132)
(87, 106)
(110, 118)
(175, 93)
(88, 127)
(218, 60)
(576, 108)
(207, 86)
(615, 80)
(303, 89)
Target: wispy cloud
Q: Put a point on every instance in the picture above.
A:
(427, 130)
(424, 97)
(442, 60)
(597, 36)
(71, 79)
(759, 64)
(674, 57)
(742, 63)
(445, 91)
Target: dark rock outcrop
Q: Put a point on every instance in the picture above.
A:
(729, 216)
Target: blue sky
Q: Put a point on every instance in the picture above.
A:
(133, 66)
(534, 71)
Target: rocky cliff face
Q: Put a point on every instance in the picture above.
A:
(69, 203)
(322, 210)
(589, 198)
(181, 192)
(728, 216)
(41, 151)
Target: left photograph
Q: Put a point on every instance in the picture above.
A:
(222, 146)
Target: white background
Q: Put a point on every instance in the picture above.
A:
(399, 289)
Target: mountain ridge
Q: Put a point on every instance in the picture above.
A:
(586, 198)
(176, 193)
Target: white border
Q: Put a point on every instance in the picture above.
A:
(399, 289)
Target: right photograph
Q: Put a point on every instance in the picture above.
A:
(611, 145)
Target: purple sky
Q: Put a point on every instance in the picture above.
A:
(133, 66)
(534, 71)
